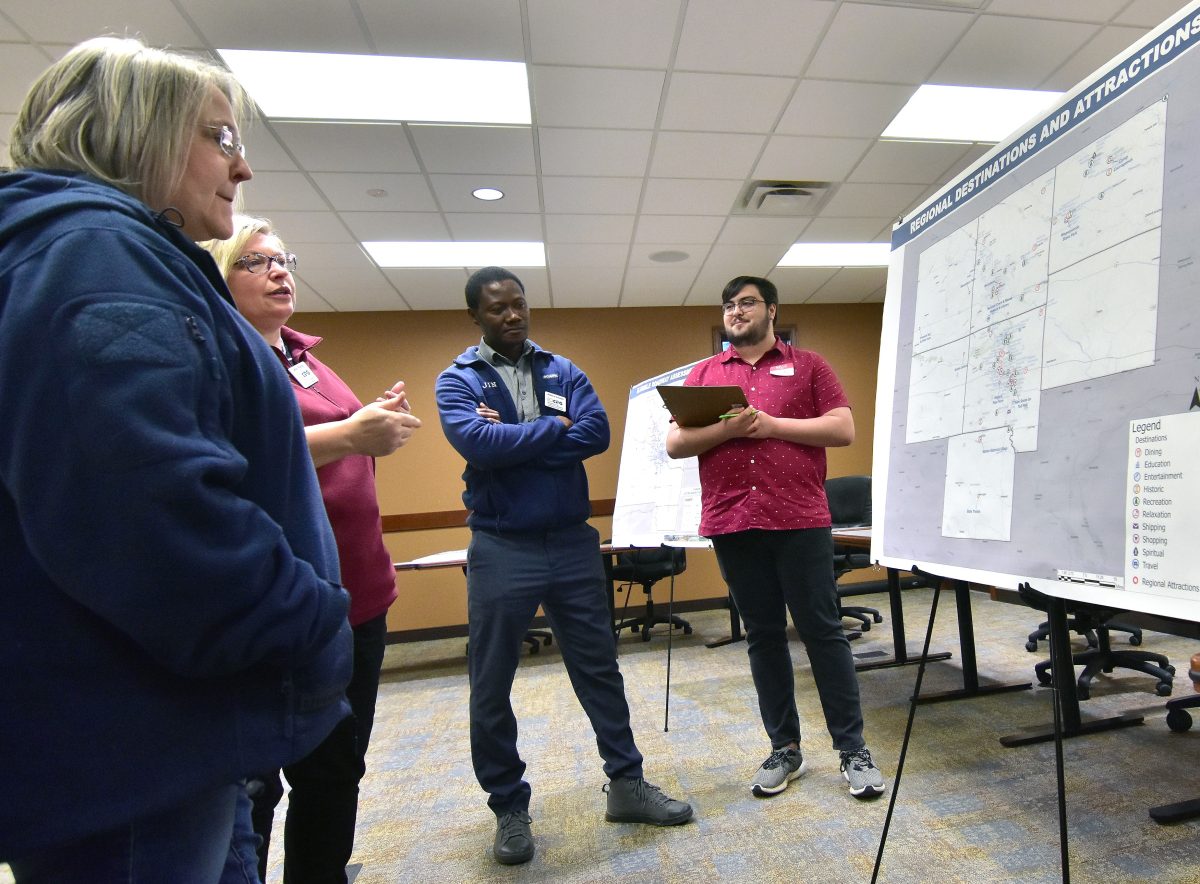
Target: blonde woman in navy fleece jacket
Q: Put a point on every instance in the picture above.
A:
(170, 614)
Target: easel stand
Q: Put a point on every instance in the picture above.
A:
(1062, 668)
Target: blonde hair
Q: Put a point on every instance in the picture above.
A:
(226, 251)
(120, 111)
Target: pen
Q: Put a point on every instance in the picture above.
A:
(727, 415)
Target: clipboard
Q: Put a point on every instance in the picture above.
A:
(700, 406)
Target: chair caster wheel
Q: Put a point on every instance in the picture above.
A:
(1179, 720)
(878, 618)
(1045, 678)
(866, 627)
(1163, 689)
(1031, 647)
(646, 634)
(687, 630)
(1135, 639)
(1083, 692)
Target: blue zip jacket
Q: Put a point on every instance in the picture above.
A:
(522, 477)
(170, 614)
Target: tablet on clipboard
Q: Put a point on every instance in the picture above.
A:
(700, 406)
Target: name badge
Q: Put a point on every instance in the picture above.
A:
(783, 371)
(304, 375)
(556, 401)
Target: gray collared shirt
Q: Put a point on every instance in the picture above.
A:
(517, 377)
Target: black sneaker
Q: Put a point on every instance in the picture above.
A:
(633, 800)
(514, 840)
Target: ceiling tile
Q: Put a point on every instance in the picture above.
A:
(704, 155)
(297, 228)
(349, 192)
(871, 200)
(72, 21)
(663, 286)
(689, 196)
(773, 231)
(330, 26)
(503, 150)
(609, 152)
(910, 162)
(681, 228)
(1011, 53)
(397, 226)
(349, 147)
(639, 255)
(492, 227)
(1097, 11)
(808, 158)
(267, 192)
(307, 301)
(1110, 43)
(837, 107)
(848, 230)
(483, 29)
(751, 36)
(348, 280)
(743, 260)
(797, 284)
(602, 196)
(850, 284)
(587, 286)
(596, 98)
(22, 65)
(725, 102)
(454, 193)
(433, 289)
(586, 255)
(1149, 13)
(886, 44)
(264, 153)
(589, 228)
(621, 33)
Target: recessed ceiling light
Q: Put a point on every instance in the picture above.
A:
(327, 86)
(487, 194)
(837, 254)
(457, 254)
(669, 256)
(377, 192)
(966, 113)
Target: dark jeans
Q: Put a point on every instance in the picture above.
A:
(507, 578)
(323, 803)
(188, 844)
(769, 574)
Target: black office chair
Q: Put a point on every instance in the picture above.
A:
(646, 567)
(1085, 618)
(850, 507)
(1043, 632)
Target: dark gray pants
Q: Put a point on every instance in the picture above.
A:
(507, 578)
(769, 574)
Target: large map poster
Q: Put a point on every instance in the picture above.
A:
(1042, 313)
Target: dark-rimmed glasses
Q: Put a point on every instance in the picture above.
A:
(257, 262)
(227, 141)
(741, 305)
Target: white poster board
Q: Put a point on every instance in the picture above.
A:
(658, 499)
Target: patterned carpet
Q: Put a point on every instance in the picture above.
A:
(968, 810)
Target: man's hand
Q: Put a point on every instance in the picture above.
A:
(488, 414)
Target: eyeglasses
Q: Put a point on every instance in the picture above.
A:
(227, 141)
(741, 305)
(257, 262)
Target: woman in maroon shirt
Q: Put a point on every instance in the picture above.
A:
(344, 438)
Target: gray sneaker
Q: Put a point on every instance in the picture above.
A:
(781, 767)
(633, 800)
(865, 779)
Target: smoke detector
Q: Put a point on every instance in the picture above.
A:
(784, 198)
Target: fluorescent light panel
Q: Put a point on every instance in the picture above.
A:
(457, 254)
(837, 254)
(966, 113)
(324, 86)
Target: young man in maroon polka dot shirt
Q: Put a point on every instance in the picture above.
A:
(762, 478)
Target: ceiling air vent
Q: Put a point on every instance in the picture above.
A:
(784, 198)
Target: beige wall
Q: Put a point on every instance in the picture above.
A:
(617, 348)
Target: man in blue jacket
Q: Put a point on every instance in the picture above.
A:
(525, 419)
